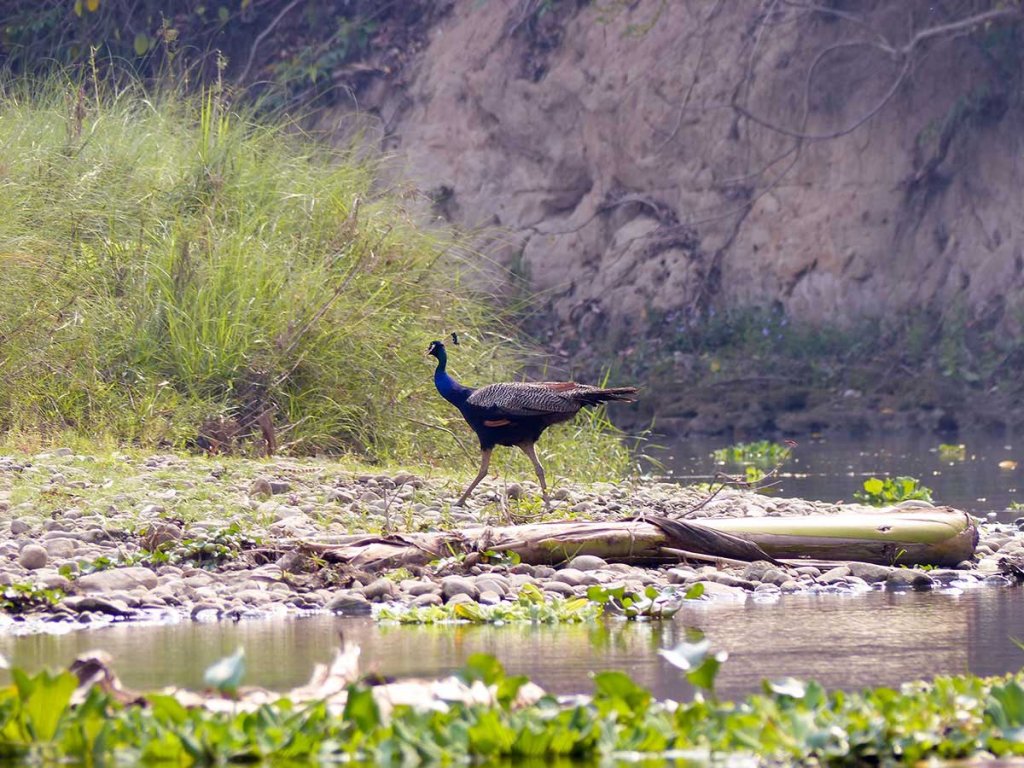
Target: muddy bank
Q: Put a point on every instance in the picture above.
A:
(756, 406)
(98, 539)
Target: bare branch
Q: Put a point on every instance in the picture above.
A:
(886, 97)
(693, 83)
(903, 52)
(263, 36)
(964, 25)
(834, 12)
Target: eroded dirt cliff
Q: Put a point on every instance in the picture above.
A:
(641, 164)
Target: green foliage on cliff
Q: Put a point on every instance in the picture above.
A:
(289, 50)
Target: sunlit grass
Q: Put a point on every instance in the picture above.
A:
(168, 259)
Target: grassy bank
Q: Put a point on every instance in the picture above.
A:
(169, 259)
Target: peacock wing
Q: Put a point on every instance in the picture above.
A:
(522, 399)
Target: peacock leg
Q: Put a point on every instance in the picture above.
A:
(485, 462)
(531, 451)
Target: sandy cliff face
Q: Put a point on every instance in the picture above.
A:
(603, 143)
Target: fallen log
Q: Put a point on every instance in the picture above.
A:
(938, 536)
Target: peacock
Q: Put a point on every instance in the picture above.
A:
(516, 413)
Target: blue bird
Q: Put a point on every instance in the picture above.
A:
(516, 413)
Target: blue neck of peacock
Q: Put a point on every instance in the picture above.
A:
(449, 388)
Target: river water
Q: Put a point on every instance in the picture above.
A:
(843, 641)
(877, 638)
(988, 478)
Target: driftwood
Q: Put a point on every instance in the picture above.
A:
(939, 536)
(920, 536)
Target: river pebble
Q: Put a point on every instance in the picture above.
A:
(117, 578)
(904, 578)
(834, 575)
(349, 603)
(491, 583)
(559, 588)
(379, 590)
(715, 591)
(569, 576)
(452, 586)
(489, 597)
(110, 607)
(33, 557)
(428, 599)
(587, 563)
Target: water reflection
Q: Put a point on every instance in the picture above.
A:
(843, 642)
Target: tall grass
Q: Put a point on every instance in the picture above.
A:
(164, 258)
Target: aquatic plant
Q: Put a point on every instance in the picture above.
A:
(790, 721)
(881, 492)
(25, 596)
(697, 662)
(531, 606)
(760, 452)
(651, 603)
(952, 452)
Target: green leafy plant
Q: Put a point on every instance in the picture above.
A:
(892, 490)
(652, 603)
(789, 722)
(36, 708)
(531, 606)
(760, 452)
(952, 452)
(100, 563)
(22, 596)
(226, 674)
(216, 547)
(753, 475)
(509, 557)
(697, 662)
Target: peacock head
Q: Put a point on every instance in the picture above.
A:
(436, 348)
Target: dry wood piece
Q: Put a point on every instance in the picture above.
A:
(938, 536)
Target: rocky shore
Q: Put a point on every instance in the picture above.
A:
(95, 539)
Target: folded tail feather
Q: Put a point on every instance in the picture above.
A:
(597, 396)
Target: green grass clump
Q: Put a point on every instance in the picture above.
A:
(167, 259)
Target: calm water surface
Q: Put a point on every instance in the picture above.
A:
(833, 469)
(844, 642)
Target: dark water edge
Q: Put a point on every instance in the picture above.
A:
(834, 468)
(847, 642)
